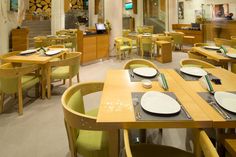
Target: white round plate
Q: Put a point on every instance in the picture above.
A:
(28, 51)
(212, 47)
(231, 55)
(145, 72)
(195, 71)
(52, 52)
(159, 103)
(226, 100)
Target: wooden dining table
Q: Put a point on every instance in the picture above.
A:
(36, 58)
(116, 107)
(219, 57)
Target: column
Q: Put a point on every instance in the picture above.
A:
(58, 16)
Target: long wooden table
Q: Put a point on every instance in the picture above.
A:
(212, 54)
(36, 58)
(117, 111)
(116, 107)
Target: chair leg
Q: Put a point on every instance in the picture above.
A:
(70, 82)
(78, 80)
(2, 102)
(20, 102)
(64, 81)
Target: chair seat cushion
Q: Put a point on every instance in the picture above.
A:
(92, 141)
(125, 47)
(133, 66)
(60, 72)
(29, 81)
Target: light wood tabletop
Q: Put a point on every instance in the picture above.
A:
(228, 80)
(36, 58)
(116, 107)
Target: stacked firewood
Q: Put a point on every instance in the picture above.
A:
(76, 4)
(40, 6)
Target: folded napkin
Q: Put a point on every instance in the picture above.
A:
(162, 80)
(206, 83)
(223, 50)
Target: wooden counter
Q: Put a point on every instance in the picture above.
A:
(93, 47)
(221, 29)
(198, 34)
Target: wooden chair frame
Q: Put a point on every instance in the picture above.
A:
(139, 61)
(196, 62)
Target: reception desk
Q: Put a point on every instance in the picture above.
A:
(92, 46)
(222, 28)
(197, 34)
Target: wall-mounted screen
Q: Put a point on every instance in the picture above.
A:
(13, 5)
(128, 6)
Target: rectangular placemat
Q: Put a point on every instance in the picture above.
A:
(142, 115)
(209, 98)
(137, 78)
(187, 77)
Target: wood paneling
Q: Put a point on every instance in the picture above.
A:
(20, 39)
(135, 6)
(89, 49)
(102, 46)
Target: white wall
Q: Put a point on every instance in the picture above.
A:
(58, 16)
(92, 17)
(113, 13)
(8, 21)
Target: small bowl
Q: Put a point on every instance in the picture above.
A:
(147, 83)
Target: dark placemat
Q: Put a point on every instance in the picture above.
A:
(187, 77)
(136, 78)
(142, 115)
(209, 98)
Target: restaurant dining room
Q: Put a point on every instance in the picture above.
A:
(124, 78)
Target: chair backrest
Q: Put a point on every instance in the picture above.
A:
(220, 41)
(148, 29)
(125, 32)
(178, 37)
(72, 60)
(10, 76)
(146, 43)
(200, 44)
(56, 46)
(204, 146)
(195, 62)
(164, 38)
(136, 63)
(121, 41)
(74, 113)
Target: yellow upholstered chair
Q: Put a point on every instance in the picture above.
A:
(85, 135)
(164, 38)
(195, 62)
(136, 63)
(56, 46)
(200, 44)
(40, 41)
(148, 29)
(64, 69)
(203, 144)
(220, 41)
(13, 80)
(146, 45)
(178, 38)
(123, 45)
(125, 32)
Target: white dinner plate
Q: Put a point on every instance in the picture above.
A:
(212, 47)
(52, 52)
(159, 103)
(226, 100)
(231, 55)
(195, 71)
(145, 72)
(28, 51)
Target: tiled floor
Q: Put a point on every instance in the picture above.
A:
(40, 131)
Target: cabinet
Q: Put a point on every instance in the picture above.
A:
(93, 47)
(19, 38)
(164, 50)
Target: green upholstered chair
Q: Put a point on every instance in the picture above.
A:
(66, 68)
(85, 135)
(146, 45)
(195, 63)
(16, 79)
(136, 63)
(202, 144)
(178, 38)
(123, 45)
